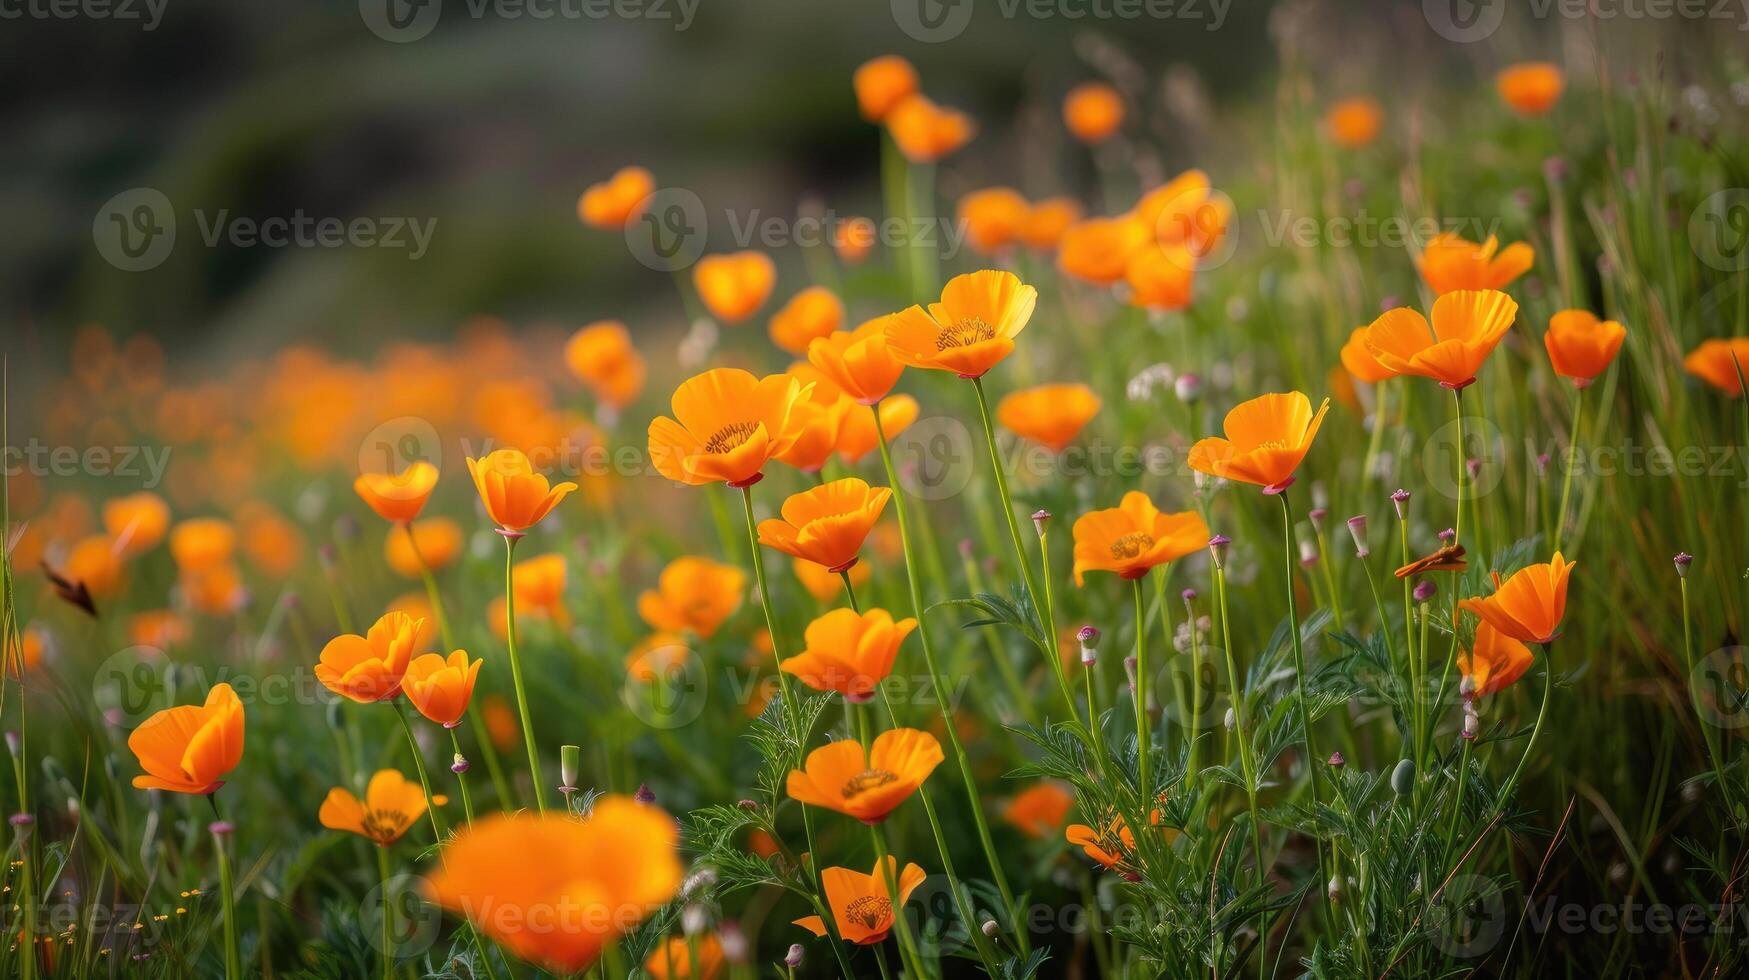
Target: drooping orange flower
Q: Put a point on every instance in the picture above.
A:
(810, 314)
(992, 218)
(693, 595)
(1266, 439)
(1450, 263)
(1098, 250)
(1047, 220)
(868, 786)
(858, 361)
(136, 522)
(440, 688)
(881, 83)
(1581, 346)
(1039, 810)
(94, 562)
(971, 330)
(828, 523)
(734, 286)
(1529, 605)
(539, 583)
(727, 425)
(392, 804)
(202, 542)
(677, 956)
(925, 132)
(515, 876)
(1135, 536)
(1161, 277)
(1113, 846)
(1716, 362)
(1353, 123)
(369, 668)
(437, 540)
(656, 657)
(1093, 111)
(190, 749)
(857, 435)
(825, 586)
(1358, 361)
(853, 238)
(601, 355)
(1494, 663)
(615, 202)
(398, 497)
(1531, 88)
(516, 497)
(1050, 415)
(862, 904)
(1467, 326)
(849, 652)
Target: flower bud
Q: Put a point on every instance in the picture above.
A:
(1400, 500)
(793, 959)
(644, 794)
(569, 758)
(1357, 529)
(1315, 517)
(460, 765)
(1040, 518)
(1230, 720)
(1218, 550)
(1334, 890)
(991, 928)
(1472, 724)
(1403, 777)
(694, 920)
(1308, 552)
(1337, 760)
(1089, 640)
(1683, 560)
(1425, 590)
(1188, 388)
(1446, 535)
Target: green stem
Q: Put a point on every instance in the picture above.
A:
(461, 779)
(388, 913)
(1239, 712)
(1144, 767)
(233, 955)
(540, 796)
(1293, 632)
(1572, 463)
(889, 875)
(1537, 730)
(419, 766)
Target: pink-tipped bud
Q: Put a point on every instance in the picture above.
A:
(1316, 516)
(1129, 669)
(1357, 528)
(460, 765)
(1683, 559)
(1188, 388)
(1189, 597)
(644, 794)
(1088, 637)
(967, 548)
(793, 959)
(1308, 552)
(1472, 725)
(1040, 518)
(1474, 466)
(1218, 550)
(1425, 590)
(1400, 500)
(1337, 760)
(1446, 535)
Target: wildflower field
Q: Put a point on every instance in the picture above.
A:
(1120, 532)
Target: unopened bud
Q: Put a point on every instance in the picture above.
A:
(1400, 500)
(460, 765)
(1316, 515)
(570, 757)
(1446, 536)
(1357, 529)
(1403, 777)
(793, 959)
(1425, 590)
(1308, 552)
(1683, 560)
(1230, 720)
(991, 928)
(1218, 550)
(1040, 518)
(1334, 890)
(1337, 760)
(694, 920)
(644, 794)
(1472, 724)
(1188, 388)
(1088, 637)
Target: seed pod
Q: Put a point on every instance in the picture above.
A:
(1403, 777)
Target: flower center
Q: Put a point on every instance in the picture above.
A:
(730, 436)
(869, 910)
(383, 825)
(1132, 545)
(967, 330)
(866, 780)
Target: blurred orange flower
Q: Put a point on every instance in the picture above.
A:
(516, 497)
(1050, 415)
(656, 657)
(971, 330)
(161, 628)
(1098, 250)
(539, 584)
(438, 540)
(1531, 88)
(202, 542)
(881, 83)
(853, 238)
(828, 523)
(693, 595)
(736, 285)
(1494, 663)
(1353, 123)
(440, 688)
(1046, 222)
(857, 436)
(1450, 263)
(1135, 536)
(849, 652)
(992, 218)
(613, 203)
(369, 668)
(190, 749)
(94, 563)
(1467, 326)
(676, 957)
(137, 522)
(392, 804)
(1040, 809)
(1161, 277)
(925, 132)
(501, 724)
(273, 544)
(825, 586)
(812, 313)
(398, 497)
(601, 355)
(727, 425)
(1581, 346)
(858, 361)
(1093, 111)
(868, 786)
(862, 904)
(216, 591)
(1529, 605)
(1717, 361)
(1266, 438)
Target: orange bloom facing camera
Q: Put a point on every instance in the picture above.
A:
(727, 425)
(1050, 415)
(810, 314)
(369, 668)
(1353, 123)
(189, 749)
(734, 286)
(437, 541)
(693, 595)
(1450, 263)
(1046, 222)
(862, 904)
(1266, 439)
(993, 218)
(516, 497)
(201, 543)
(1717, 362)
(853, 238)
(613, 203)
(398, 497)
(1161, 277)
(925, 132)
(392, 804)
(556, 890)
(849, 652)
(601, 355)
(1135, 536)
(971, 330)
(1531, 88)
(1093, 111)
(1467, 326)
(1098, 250)
(440, 689)
(1039, 810)
(867, 786)
(858, 361)
(137, 522)
(1494, 663)
(828, 523)
(1581, 346)
(881, 83)
(1528, 606)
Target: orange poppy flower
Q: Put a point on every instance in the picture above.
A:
(418, 608)
(826, 586)
(1359, 361)
(826, 524)
(1161, 277)
(1467, 326)
(1716, 362)
(1266, 439)
(136, 522)
(1581, 346)
(1046, 222)
(1529, 605)
(556, 890)
(868, 786)
(1353, 123)
(1531, 88)
(736, 285)
(862, 904)
(857, 436)
(992, 218)
(1113, 846)
(601, 355)
(1093, 111)
(881, 83)
(1494, 663)
(370, 667)
(501, 724)
(849, 652)
(392, 804)
(1098, 250)
(28, 653)
(926, 132)
(693, 595)
(437, 540)
(1133, 537)
(858, 361)
(853, 238)
(1038, 810)
(727, 425)
(677, 957)
(613, 203)
(812, 313)
(273, 545)
(440, 689)
(202, 542)
(398, 497)
(539, 583)
(189, 749)
(216, 591)
(516, 497)
(1050, 415)
(1450, 263)
(94, 563)
(971, 330)
(656, 657)
(819, 415)
(161, 628)
(1181, 210)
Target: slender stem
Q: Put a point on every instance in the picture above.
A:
(1530, 746)
(1457, 803)
(889, 876)
(1239, 712)
(461, 779)
(1706, 728)
(540, 795)
(388, 913)
(1194, 735)
(1457, 404)
(850, 591)
(1293, 632)
(1144, 736)
(419, 765)
(1572, 463)
(233, 956)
